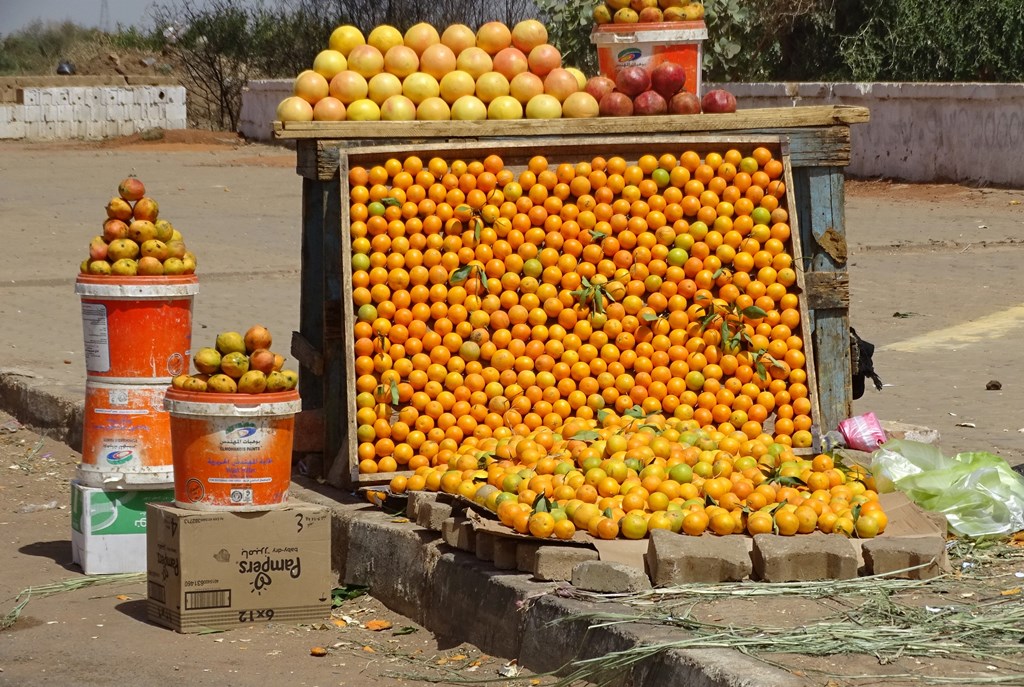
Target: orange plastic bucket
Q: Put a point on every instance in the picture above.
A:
(648, 45)
(137, 328)
(231, 451)
(126, 437)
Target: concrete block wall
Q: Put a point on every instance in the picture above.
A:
(259, 107)
(92, 112)
(959, 132)
(950, 132)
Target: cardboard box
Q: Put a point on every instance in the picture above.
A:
(108, 528)
(221, 570)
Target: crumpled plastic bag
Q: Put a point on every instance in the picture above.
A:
(978, 492)
(862, 432)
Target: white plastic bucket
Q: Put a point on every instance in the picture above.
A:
(231, 452)
(137, 329)
(126, 437)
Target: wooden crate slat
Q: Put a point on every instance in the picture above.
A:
(312, 281)
(825, 210)
(818, 147)
(806, 329)
(775, 117)
(345, 465)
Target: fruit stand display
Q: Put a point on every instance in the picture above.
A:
(814, 142)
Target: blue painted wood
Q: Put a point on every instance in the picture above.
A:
(824, 208)
(311, 287)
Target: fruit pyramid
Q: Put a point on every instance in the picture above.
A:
(495, 72)
(135, 241)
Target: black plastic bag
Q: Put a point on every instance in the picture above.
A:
(861, 354)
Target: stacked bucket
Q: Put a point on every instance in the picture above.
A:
(232, 452)
(138, 334)
(217, 451)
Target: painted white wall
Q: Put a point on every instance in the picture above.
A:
(92, 112)
(959, 132)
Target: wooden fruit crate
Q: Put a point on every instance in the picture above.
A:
(813, 141)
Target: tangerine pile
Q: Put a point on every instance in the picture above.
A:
(492, 303)
(625, 476)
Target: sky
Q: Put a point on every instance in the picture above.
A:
(16, 14)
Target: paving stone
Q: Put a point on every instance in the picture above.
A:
(526, 556)
(609, 578)
(555, 563)
(458, 533)
(919, 433)
(679, 559)
(432, 515)
(939, 520)
(485, 545)
(416, 501)
(804, 557)
(505, 551)
(887, 554)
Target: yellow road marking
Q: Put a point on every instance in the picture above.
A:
(992, 326)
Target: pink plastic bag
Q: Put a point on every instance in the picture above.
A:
(863, 432)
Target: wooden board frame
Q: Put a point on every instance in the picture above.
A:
(515, 153)
(807, 116)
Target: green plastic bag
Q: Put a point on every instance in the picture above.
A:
(977, 492)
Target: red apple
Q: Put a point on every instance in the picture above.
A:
(668, 78)
(599, 87)
(649, 103)
(684, 102)
(633, 81)
(615, 104)
(717, 101)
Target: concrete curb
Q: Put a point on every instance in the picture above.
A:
(455, 595)
(45, 407)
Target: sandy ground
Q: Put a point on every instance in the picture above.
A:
(935, 285)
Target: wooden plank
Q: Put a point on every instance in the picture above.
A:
(376, 479)
(776, 117)
(311, 323)
(829, 146)
(307, 153)
(825, 198)
(307, 354)
(827, 290)
(339, 354)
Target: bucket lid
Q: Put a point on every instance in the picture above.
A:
(617, 34)
(208, 403)
(118, 287)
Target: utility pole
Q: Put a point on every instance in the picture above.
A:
(104, 16)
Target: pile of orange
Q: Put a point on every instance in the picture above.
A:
(625, 476)
(491, 302)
